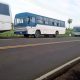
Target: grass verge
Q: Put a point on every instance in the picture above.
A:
(9, 34)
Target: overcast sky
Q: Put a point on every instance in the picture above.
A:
(60, 9)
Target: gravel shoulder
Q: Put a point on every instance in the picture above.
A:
(71, 74)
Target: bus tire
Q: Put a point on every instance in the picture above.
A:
(26, 35)
(56, 33)
(37, 34)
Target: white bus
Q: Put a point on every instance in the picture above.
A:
(5, 17)
(32, 24)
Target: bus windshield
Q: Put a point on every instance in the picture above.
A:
(76, 29)
(18, 21)
(28, 21)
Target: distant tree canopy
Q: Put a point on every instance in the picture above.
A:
(69, 22)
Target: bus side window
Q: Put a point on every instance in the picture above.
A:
(62, 24)
(58, 24)
(53, 23)
(45, 21)
(32, 19)
(39, 19)
(50, 21)
(27, 20)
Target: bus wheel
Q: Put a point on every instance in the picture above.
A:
(26, 35)
(37, 34)
(56, 33)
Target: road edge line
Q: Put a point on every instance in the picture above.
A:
(58, 71)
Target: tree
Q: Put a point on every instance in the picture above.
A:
(69, 22)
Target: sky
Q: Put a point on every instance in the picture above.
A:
(58, 9)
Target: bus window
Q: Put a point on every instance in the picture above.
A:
(46, 21)
(18, 21)
(53, 23)
(32, 19)
(27, 20)
(76, 29)
(50, 21)
(57, 24)
(4, 9)
(62, 24)
(39, 19)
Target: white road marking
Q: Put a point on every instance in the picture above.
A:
(57, 69)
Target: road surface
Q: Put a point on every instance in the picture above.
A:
(30, 58)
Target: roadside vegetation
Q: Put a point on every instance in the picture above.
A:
(9, 34)
(68, 32)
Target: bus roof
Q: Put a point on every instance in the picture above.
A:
(25, 14)
(4, 2)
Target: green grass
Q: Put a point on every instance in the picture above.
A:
(9, 34)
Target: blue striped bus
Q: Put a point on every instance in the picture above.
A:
(32, 24)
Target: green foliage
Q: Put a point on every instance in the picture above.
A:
(68, 32)
(69, 21)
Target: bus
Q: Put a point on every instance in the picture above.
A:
(5, 17)
(32, 24)
(76, 31)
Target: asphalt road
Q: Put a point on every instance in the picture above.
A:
(32, 61)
